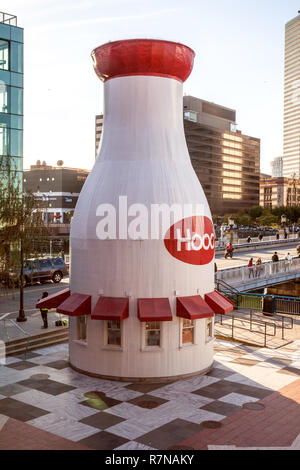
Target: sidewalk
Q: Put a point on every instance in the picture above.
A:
(256, 336)
(33, 326)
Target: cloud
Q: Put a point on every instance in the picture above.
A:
(102, 19)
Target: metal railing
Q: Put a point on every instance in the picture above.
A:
(242, 274)
(291, 238)
(8, 18)
(251, 322)
(4, 318)
(277, 304)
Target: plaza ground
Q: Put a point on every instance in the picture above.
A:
(250, 398)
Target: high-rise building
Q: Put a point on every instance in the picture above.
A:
(277, 167)
(226, 161)
(291, 138)
(11, 94)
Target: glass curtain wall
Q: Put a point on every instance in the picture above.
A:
(11, 99)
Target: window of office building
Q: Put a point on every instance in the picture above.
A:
(3, 98)
(3, 140)
(188, 329)
(114, 333)
(4, 55)
(190, 116)
(152, 336)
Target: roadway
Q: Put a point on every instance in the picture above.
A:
(265, 253)
(10, 298)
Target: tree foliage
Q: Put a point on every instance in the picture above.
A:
(264, 216)
(21, 224)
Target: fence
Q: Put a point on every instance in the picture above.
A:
(220, 244)
(243, 274)
(275, 304)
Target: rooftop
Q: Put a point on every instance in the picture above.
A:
(7, 18)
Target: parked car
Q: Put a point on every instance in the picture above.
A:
(38, 270)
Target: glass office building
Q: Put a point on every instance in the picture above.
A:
(11, 94)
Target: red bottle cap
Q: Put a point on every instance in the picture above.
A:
(143, 57)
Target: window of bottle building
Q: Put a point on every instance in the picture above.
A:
(209, 329)
(152, 337)
(188, 329)
(81, 327)
(114, 333)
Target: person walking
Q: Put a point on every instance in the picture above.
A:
(44, 311)
(275, 260)
(259, 267)
(249, 239)
(288, 262)
(251, 268)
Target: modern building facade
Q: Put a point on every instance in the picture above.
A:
(278, 192)
(11, 95)
(57, 188)
(226, 161)
(291, 138)
(277, 167)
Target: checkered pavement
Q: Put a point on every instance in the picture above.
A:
(45, 393)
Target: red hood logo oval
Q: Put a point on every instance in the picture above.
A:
(192, 240)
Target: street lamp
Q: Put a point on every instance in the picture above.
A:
(231, 225)
(283, 219)
(231, 221)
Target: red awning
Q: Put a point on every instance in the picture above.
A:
(193, 308)
(76, 305)
(220, 304)
(154, 310)
(111, 308)
(54, 300)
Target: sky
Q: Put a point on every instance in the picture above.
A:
(239, 63)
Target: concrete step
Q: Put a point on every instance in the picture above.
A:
(42, 340)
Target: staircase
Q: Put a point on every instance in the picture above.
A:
(32, 342)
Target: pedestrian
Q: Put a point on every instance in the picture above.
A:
(277, 236)
(285, 234)
(249, 239)
(260, 237)
(44, 311)
(275, 260)
(288, 262)
(251, 268)
(259, 267)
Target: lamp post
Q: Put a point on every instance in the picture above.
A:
(283, 220)
(283, 223)
(21, 317)
(231, 225)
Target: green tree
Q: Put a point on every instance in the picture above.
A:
(255, 212)
(22, 230)
(267, 220)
